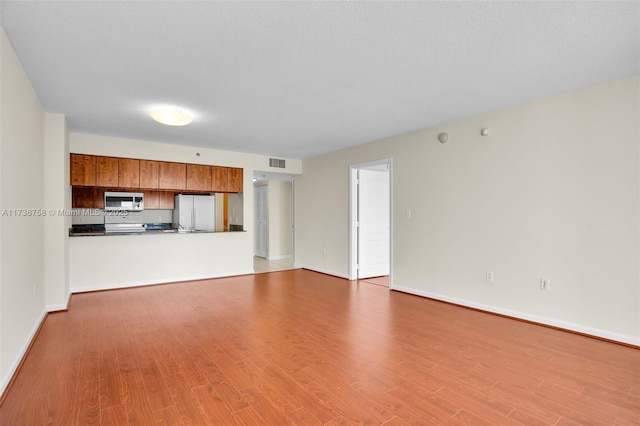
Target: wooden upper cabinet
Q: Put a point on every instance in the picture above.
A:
(115, 172)
(172, 175)
(82, 198)
(236, 180)
(220, 178)
(83, 170)
(148, 174)
(151, 200)
(128, 173)
(166, 200)
(198, 177)
(154, 200)
(107, 171)
(87, 198)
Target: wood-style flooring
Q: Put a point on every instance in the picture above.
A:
(382, 281)
(302, 348)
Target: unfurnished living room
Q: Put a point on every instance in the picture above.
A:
(319, 213)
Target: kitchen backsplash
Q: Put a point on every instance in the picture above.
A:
(96, 216)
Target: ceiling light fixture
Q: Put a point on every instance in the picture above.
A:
(171, 116)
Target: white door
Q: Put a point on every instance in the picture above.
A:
(374, 222)
(261, 221)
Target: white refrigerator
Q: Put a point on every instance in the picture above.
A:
(194, 213)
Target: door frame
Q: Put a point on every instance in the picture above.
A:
(268, 177)
(256, 189)
(353, 215)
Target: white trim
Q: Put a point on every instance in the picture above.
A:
(61, 307)
(56, 308)
(353, 208)
(353, 228)
(16, 363)
(113, 286)
(288, 256)
(321, 270)
(622, 338)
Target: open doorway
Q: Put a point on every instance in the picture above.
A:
(370, 206)
(273, 221)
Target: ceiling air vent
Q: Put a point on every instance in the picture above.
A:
(276, 162)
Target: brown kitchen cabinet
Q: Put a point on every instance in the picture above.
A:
(107, 171)
(236, 180)
(148, 174)
(87, 198)
(165, 200)
(198, 177)
(151, 200)
(128, 173)
(83, 170)
(155, 200)
(172, 175)
(220, 178)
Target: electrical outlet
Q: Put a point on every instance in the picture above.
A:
(324, 251)
(489, 277)
(544, 284)
(33, 285)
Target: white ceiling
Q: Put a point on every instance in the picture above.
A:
(295, 79)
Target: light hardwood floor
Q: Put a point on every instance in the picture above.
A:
(381, 281)
(298, 347)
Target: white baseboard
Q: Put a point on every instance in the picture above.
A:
(60, 307)
(596, 332)
(321, 270)
(56, 308)
(128, 284)
(16, 363)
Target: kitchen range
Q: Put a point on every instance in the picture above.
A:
(123, 212)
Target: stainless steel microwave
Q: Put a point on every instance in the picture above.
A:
(124, 201)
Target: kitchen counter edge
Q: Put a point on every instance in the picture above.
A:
(147, 232)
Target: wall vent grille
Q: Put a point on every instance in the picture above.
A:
(277, 163)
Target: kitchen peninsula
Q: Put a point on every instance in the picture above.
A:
(118, 261)
(164, 252)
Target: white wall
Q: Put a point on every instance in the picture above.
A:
(57, 196)
(554, 192)
(280, 208)
(22, 277)
(81, 143)
(118, 261)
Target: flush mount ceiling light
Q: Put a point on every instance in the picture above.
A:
(171, 116)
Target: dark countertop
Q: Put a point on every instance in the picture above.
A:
(151, 229)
